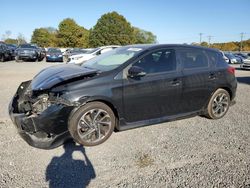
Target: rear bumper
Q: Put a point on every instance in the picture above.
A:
(47, 130)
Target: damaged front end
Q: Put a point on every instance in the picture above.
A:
(41, 117)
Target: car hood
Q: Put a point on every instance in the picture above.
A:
(51, 76)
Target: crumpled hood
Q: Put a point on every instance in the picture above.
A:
(51, 76)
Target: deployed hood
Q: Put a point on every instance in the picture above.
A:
(51, 76)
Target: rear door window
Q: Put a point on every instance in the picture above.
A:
(193, 58)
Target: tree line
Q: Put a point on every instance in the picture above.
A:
(229, 46)
(111, 29)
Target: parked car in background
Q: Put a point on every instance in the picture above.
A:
(243, 55)
(224, 57)
(128, 87)
(5, 52)
(89, 54)
(246, 61)
(29, 52)
(12, 48)
(245, 65)
(232, 58)
(54, 55)
(42, 52)
(76, 51)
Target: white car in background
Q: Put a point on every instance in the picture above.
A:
(225, 57)
(89, 54)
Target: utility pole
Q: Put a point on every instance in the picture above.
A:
(209, 39)
(200, 37)
(241, 40)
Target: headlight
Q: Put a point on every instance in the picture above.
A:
(47, 55)
(60, 56)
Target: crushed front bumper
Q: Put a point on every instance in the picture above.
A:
(46, 130)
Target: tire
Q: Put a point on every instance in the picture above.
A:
(218, 104)
(2, 58)
(17, 59)
(92, 124)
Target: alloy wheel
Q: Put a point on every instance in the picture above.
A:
(220, 105)
(94, 125)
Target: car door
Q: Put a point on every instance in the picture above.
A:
(198, 78)
(157, 93)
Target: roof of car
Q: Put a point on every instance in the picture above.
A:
(152, 46)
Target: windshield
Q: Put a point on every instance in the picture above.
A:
(112, 59)
(27, 46)
(54, 50)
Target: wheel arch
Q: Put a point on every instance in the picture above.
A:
(86, 100)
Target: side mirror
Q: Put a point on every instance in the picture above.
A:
(135, 72)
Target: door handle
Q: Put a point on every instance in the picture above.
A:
(175, 82)
(212, 76)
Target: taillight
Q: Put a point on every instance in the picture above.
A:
(231, 70)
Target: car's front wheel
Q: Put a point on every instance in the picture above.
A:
(92, 124)
(218, 104)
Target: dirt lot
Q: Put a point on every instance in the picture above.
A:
(194, 152)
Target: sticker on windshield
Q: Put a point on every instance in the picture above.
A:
(135, 49)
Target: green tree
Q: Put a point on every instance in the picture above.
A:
(43, 37)
(205, 44)
(11, 41)
(111, 28)
(144, 37)
(70, 34)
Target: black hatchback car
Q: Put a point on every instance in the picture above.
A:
(128, 87)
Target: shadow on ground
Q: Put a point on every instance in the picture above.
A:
(64, 171)
(244, 80)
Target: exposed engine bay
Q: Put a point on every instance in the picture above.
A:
(34, 103)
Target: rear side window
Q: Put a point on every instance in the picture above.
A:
(193, 58)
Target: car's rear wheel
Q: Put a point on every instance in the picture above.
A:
(92, 124)
(218, 104)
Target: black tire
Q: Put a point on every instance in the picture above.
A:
(89, 129)
(2, 58)
(216, 109)
(17, 59)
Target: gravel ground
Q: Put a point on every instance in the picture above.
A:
(194, 152)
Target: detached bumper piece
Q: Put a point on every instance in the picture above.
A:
(46, 130)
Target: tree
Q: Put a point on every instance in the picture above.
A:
(11, 41)
(44, 37)
(21, 39)
(144, 37)
(111, 28)
(205, 44)
(70, 34)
